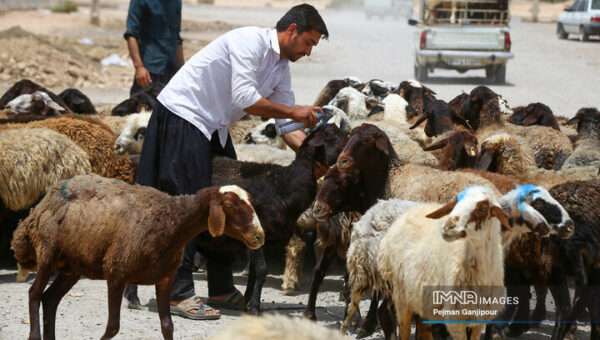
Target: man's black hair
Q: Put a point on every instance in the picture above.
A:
(305, 17)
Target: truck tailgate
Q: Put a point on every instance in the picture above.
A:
(474, 38)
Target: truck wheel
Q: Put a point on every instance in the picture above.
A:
(489, 72)
(560, 32)
(420, 72)
(583, 36)
(501, 74)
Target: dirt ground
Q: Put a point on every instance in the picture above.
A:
(48, 48)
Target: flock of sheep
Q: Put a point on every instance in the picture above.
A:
(483, 195)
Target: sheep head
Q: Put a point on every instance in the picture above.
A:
(469, 213)
(588, 123)
(534, 207)
(231, 213)
(340, 191)
(534, 114)
(460, 150)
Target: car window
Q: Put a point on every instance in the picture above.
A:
(582, 7)
(595, 4)
(575, 5)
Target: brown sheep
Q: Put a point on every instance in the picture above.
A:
(95, 139)
(106, 229)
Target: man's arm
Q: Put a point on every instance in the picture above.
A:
(269, 109)
(179, 56)
(142, 76)
(294, 139)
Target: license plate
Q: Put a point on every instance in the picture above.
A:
(465, 62)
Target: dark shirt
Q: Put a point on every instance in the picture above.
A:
(156, 25)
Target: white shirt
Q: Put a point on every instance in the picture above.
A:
(228, 75)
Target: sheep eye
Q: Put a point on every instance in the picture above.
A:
(228, 205)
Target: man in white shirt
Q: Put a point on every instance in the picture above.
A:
(244, 71)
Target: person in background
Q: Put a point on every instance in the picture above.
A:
(153, 40)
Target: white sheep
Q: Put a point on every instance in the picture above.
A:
(276, 327)
(260, 153)
(587, 147)
(458, 244)
(374, 224)
(353, 102)
(265, 133)
(38, 102)
(33, 160)
(131, 138)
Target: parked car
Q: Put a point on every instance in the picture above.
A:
(383, 8)
(463, 35)
(582, 18)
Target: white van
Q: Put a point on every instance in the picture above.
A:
(583, 18)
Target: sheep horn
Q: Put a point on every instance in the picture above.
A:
(484, 161)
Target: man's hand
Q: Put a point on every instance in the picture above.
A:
(142, 76)
(306, 114)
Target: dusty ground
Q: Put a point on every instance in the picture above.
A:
(562, 74)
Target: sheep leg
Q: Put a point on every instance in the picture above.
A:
(423, 331)
(294, 259)
(35, 297)
(562, 328)
(345, 296)
(385, 316)
(522, 313)
(115, 292)
(163, 297)
(352, 308)
(317, 278)
(51, 298)
(539, 313)
(257, 257)
(404, 317)
(368, 326)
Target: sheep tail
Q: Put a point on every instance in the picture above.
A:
(24, 251)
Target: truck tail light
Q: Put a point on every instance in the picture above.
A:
(423, 42)
(507, 42)
(595, 19)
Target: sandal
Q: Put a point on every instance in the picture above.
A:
(230, 302)
(184, 307)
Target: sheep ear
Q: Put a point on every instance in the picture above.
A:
(484, 161)
(530, 119)
(501, 216)
(419, 121)
(317, 139)
(382, 144)
(376, 109)
(572, 121)
(437, 145)
(411, 109)
(443, 211)
(216, 219)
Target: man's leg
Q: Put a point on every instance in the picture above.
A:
(219, 264)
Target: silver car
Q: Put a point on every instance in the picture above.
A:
(582, 18)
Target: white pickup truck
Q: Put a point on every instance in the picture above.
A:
(463, 35)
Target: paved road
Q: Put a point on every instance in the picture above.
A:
(565, 75)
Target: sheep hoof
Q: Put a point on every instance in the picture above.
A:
(288, 291)
(366, 329)
(516, 330)
(538, 315)
(253, 310)
(310, 315)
